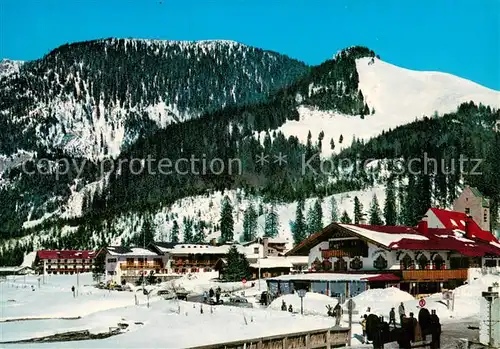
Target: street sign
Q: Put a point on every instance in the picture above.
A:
(421, 303)
(302, 294)
(351, 305)
(447, 295)
(244, 281)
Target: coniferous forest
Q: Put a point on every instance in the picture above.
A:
(235, 116)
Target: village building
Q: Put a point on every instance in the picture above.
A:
(64, 261)
(473, 203)
(20, 270)
(420, 259)
(128, 264)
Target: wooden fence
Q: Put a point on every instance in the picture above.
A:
(318, 339)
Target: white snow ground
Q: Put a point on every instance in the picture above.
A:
(100, 309)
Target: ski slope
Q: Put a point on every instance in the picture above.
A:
(397, 95)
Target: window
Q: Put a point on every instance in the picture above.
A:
(438, 262)
(380, 263)
(340, 265)
(490, 263)
(130, 261)
(256, 250)
(467, 210)
(356, 263)
(406, 262)
(423, 262)
(111, 260)
(485, 216)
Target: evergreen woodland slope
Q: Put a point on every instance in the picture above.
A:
(226, 130)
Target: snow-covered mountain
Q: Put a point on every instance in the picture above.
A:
(94, 98)
(396, 95)
(148, 97)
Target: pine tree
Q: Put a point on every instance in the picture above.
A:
(299, 228)
(375, 212)
(238, 267)
(345, 219)
(334, 211)
(390, 213)
(226, 221)
(199, 236)
(174, 235)
(147, 234)
(99, 266)
(271, 227)
(315, 218)
(188, 231)
(249, 223)
(358, 211)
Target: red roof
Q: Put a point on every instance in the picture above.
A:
(382, 277)
(65, 254)
(459, 221)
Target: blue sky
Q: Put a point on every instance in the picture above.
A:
(454, 36)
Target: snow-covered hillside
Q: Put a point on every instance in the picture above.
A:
(9, 67)
(397, 95)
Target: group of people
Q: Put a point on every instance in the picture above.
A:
(283, 307)
(409, 327)
(211, 293)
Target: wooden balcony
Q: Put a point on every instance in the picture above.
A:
(335, 253)
(434, 275)
(139, 266)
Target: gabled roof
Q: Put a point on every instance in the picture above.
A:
(476, 192)
(405, 238)
(64, 254)
(454, 220)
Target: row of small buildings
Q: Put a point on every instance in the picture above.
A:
(341, 260)
(166, 260)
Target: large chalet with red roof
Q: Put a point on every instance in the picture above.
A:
(434, 255)
(64, 261)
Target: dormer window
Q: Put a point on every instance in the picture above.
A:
(485, 216)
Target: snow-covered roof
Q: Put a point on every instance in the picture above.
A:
(280, 262)
(385, 239)
(323, 277)
(130, 251)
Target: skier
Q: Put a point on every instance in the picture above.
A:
(436, 333)
(402, 313)
(392, 317)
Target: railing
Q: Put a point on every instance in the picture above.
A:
(325, 338)
(434, 275)
(138, 266)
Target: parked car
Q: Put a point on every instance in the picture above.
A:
(237, 301)
(167, 294)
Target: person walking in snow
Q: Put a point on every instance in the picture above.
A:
(205, 296)
(283, 305)
(392, 317)
(402, 313)
(211, 293)
(338, 314)
(73, 290)
(217, 295)
(436, 331)
(363, 327)
(290, 309)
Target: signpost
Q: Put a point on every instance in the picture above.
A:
(421, 302)
(350, 307)
(301, 294)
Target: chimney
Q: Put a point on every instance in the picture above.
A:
(423, 227)
(265, 243)
(468, 233)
